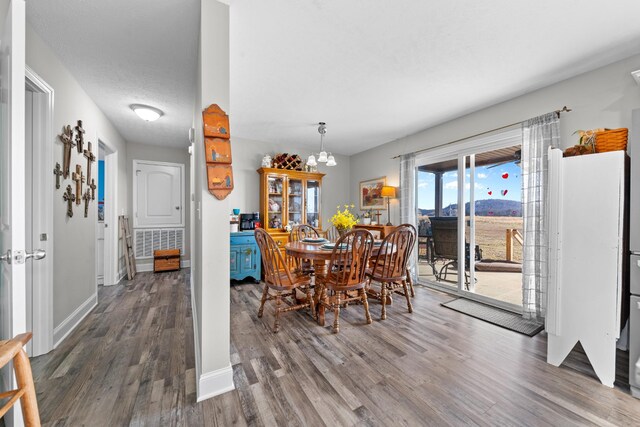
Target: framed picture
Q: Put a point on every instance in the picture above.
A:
(370, 194)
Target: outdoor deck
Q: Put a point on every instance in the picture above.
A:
(506, 287)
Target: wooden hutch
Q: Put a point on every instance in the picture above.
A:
(289, 197)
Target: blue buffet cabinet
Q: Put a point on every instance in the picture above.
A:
(245, 256)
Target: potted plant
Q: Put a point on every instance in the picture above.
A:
(344, 219)
(366, 217)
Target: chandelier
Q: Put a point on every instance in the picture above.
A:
(323, 156)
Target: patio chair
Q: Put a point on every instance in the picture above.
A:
(445, 247)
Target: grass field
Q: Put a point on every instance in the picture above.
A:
(491, 236)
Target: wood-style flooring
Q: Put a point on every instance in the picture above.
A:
(131, 362)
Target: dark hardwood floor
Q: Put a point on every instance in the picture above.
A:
(131, 362)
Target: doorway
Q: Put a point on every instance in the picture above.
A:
(39, 182)
(107, 245)
(100, 230)
(470, 224)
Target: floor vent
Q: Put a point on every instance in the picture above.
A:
(148, 240)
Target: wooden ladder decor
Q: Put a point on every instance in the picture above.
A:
(129, 257)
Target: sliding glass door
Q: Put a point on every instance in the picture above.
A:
(469, 212)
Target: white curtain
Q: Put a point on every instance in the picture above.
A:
(538, 134)
(408, 201)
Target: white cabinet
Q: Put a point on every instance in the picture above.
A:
(158, 194)
(586, 254)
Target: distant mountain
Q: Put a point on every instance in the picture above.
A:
(487, 207)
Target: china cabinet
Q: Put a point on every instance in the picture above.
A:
(289, 197)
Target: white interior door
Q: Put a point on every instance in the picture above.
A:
(12, 186)
(158, 194)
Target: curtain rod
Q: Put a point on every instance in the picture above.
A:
(562, 110)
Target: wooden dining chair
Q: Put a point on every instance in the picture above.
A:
(13, 350)
(389, 266)
(303, 231)
(298, 233)
(347, 273)
(281, 280)
(331, 234)
(415, 237)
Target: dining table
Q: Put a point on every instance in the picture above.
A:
(320, 257)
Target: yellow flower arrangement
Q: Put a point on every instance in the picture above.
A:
(344, 219)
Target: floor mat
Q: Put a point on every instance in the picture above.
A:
(499, 317)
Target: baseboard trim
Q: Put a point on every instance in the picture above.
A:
(69, 324)
(196, 336)
(214, 383)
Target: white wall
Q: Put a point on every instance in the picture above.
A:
(600, 98)
(161, 154)
(210, 258)
(74, 271)
(247, 157)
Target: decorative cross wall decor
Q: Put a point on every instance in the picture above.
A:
(93, 189)
(78, 177)
(69, 197)
(57, 172)
(67, 140)
(86, 197)
(79, 137)
(90, 159)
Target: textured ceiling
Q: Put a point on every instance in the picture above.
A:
(377, 70)
(374, 70)
(125, 52)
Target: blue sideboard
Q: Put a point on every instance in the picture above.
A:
(245, 256)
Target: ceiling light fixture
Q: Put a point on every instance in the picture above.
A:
(323, 156)
(147, 113)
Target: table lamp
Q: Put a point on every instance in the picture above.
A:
(389, 193)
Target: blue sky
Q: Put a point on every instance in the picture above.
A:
(487, 179)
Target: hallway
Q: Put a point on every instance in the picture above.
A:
(130, 361)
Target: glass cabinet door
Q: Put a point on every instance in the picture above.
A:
(313, 203)
(275, 201)
(296, 201)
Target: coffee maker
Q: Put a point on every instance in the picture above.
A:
(249, 221)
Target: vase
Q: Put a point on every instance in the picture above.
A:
(366, 221)
(343, 231)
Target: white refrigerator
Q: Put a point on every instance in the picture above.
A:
(586, 257)
(634, 247)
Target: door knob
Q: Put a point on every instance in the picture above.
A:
(36, 254)
(6, 256)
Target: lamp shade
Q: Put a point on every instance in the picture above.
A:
(388, 192)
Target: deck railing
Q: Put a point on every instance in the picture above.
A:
(512, 234)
